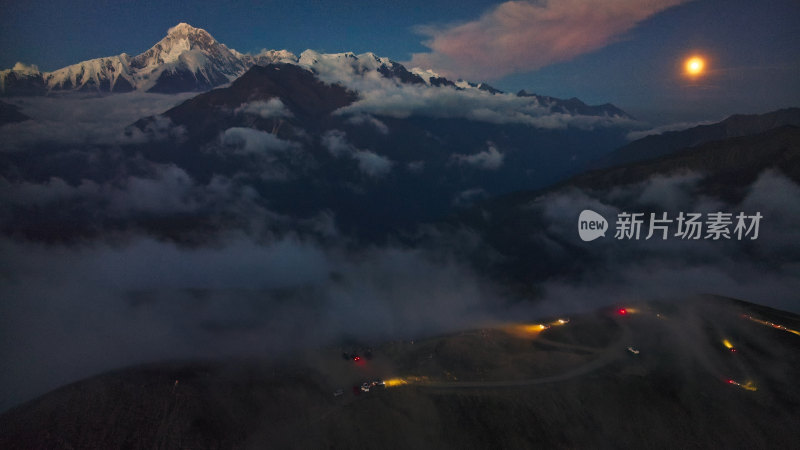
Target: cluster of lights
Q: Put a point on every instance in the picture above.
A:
(728, 345)
(770, 324)
(748, 386)
(626, 311)
(530, 330)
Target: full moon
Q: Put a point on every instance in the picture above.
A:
(695, 66)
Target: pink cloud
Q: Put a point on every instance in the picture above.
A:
(521, 36)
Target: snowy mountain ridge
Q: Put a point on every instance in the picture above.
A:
(190, 59)
(186, 59)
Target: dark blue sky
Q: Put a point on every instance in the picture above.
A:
(753, 47)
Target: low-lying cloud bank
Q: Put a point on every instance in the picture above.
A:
(78, 119)
(403, 101)
(382, 96)
(72, 311)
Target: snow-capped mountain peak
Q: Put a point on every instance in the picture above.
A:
(180, 39)
(25, 69)
(184, 29)
(22, 79)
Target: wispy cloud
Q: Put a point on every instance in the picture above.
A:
(490, 159)
(266, 110)
(520, 36)
(249, 140)
(634, 135)
(369, 162)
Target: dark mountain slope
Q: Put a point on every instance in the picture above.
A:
(734, 126)
(729, 164)
(574, 386)
(308, 99)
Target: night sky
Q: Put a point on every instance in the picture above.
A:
(627, 52)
